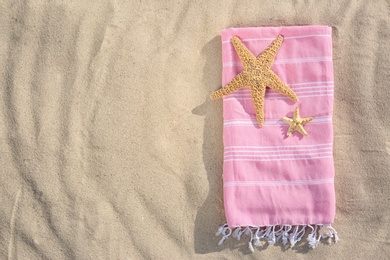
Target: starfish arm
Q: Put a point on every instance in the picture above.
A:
(277, 84)
(290, 131)
(246, 57)
(258, 93)
(238, 82)
(301, 130)
(296, 113)
(287, 120)
(267, 57)
(290, 122)
(306, 120)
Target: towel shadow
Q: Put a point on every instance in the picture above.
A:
(211, 214)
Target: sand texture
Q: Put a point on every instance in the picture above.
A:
(110, 147)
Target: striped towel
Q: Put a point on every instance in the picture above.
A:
(277, 188)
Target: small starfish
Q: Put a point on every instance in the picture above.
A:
(257, 75)
(296, 123)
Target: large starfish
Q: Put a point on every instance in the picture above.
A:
(296, 123)
(257, 74)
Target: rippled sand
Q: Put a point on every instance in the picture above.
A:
(111, 149)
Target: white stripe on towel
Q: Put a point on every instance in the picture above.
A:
(278, 183)
(246, 122)
(284, 38)
(281, 151)
(246, 92)
(283, 61)
(277, 146)
(278, 159)
(268, 156)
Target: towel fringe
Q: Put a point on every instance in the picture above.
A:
(277, 233)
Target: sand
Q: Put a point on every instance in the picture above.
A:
(111, 149)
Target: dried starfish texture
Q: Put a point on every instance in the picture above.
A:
(296, 123)
(257, 74)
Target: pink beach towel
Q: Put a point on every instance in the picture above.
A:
(278, 188)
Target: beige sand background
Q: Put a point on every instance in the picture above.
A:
(111, 149)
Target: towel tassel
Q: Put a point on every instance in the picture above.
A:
(280, 233)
